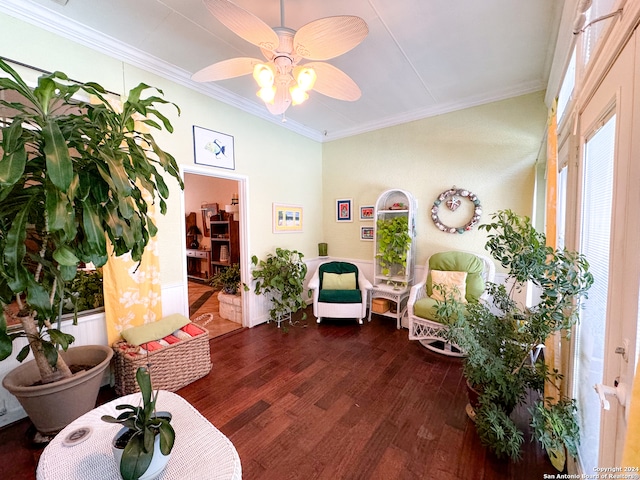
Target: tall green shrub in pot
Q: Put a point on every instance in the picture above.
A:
(74, 176)
(500, 338)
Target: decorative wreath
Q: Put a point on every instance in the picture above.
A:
(452, 199)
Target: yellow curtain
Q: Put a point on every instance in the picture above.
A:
(553, 343)
(132, 294)
(631, 453)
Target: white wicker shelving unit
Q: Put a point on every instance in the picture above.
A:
(395, 288)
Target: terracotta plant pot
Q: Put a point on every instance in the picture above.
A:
(53, 406)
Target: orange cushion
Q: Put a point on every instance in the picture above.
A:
(192, 329)
(151, 346)
(171, 339)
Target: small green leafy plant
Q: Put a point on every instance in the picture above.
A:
(556, 428)
(227, 279)
(144, 425)
(85, 292)
(282, 277)
(393, 244)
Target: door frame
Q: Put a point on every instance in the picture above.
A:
(614, 93)
(243, 187)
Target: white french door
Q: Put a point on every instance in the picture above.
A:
(608, 226)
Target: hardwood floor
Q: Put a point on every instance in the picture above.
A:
(333, 401)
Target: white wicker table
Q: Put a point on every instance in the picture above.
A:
(200, 451)
(399, 296)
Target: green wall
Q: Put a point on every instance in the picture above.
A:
(489, 150)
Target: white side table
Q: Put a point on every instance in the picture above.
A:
(200, 451)
(399, 296)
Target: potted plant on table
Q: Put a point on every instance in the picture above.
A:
(74, 176)
(227, 279)
(282, 277)
(502, 339)
(144, 444)
(393, 244)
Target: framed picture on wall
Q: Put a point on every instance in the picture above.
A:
(366, 212)
(366, 233)
(212, 148)
(344, 210)
(287, 218)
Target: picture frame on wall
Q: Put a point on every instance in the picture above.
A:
(344, 210)
(287, 218)
(214, 149)
(366, 234)
(366, 212)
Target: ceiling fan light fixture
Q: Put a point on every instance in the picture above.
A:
(267, 94)
(298, 95)
(263, 75)
(306, 77)
(281, 81)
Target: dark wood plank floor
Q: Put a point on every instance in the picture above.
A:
(332, 401)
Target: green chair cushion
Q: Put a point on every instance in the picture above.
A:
(426, 308)
(155, 330)
(337, 268)
(460, 262)
(340, 296)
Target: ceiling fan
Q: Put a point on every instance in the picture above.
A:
(283, 81)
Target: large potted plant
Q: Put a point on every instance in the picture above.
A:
(143, 445)
(228, 280)
(74, 176)
(281, 276)
(501, 338)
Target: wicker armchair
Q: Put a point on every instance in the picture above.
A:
(340, 290)
(424, 325)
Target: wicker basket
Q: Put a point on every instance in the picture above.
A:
(172, 367)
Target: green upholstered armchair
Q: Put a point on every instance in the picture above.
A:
(462, 273)
(340, 290)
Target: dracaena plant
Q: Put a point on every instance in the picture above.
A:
(144, 424)
(74, 176)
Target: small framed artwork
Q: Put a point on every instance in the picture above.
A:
(366, 212)
(366, 233)
(344, 209)
(212, 148)
(287, 218)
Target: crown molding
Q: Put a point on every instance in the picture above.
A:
(53, 22)
(420, 114)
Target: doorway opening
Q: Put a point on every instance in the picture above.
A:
(213, 245)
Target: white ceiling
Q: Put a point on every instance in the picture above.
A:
(421, 57)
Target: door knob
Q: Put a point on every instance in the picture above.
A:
(619, 391)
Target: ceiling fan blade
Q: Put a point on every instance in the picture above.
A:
(334, 83)
(329, 37)
(281, 101)
(234, 67)
(244, 24)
